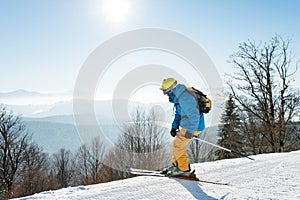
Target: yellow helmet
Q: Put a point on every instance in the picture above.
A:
(168, 83)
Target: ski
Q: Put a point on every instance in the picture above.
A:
(188, 176)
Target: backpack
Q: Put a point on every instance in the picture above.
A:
(204, 103)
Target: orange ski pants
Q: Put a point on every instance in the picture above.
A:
(180, 157)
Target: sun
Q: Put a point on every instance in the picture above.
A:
(116, 11)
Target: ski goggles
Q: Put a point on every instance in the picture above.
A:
(168, 91)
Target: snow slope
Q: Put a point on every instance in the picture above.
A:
(270, 176)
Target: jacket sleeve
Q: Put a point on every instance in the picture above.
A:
(177, 117)
(189, 112)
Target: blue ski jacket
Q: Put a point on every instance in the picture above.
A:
(187, 114)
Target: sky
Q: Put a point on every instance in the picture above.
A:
(44, 44)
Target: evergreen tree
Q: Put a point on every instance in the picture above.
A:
(229, 131)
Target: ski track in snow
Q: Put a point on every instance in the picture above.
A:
(270, 176)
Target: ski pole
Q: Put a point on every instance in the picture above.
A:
(215, 145)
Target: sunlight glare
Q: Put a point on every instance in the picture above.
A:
(116, 11)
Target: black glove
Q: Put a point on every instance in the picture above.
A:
(173, 132)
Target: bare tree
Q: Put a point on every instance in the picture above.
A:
(116, 161)
(251, 130)
(262, 87)
(33, 177)
(13, 142)
(293, 143)
(144, 142)
(96, 160)
(142, 145)
(90, 162)
(64, 168)
(199, 151)
(83, 165)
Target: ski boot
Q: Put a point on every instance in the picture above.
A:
(176, 172)
(166, 170)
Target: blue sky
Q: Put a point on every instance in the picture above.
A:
(43, 44)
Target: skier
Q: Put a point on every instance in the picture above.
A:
(188, 118)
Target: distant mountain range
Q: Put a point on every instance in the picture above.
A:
(29, 94)
(50, 117)
(56, 132)
(36, 104)
(24, 97)
(52, 136)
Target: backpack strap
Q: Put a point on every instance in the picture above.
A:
(195, 97)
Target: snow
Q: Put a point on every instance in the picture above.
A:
(270, 176)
